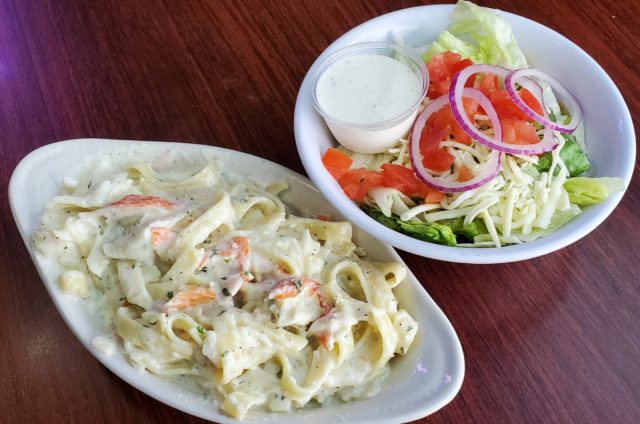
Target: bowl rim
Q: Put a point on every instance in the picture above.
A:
(547, 244)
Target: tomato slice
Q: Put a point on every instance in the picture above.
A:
(437, 89)
(443, 119)
(442, 67)
(531, 101)
(437, 159)
(465, 174)
(356, 182)
(450, 60)
(459, 66)
(470, 107)
(350, 182)
(505, 107)
(438, 127)
(437, 68)
(488, 84)
(459, 135)
(430, 195)
(373, 179)
(399, 177)
(518, 132)
(404, 180)
(336, 162)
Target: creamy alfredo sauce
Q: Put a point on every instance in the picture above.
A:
(203, 275)
(367, 89)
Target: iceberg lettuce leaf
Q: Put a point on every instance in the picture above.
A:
(559, 219)
(584, 191)
(481, 35)
(372, 162)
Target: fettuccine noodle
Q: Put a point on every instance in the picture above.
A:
(204, 275)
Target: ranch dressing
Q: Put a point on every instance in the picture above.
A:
(358, 93)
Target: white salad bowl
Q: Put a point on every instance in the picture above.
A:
(420, 382)
(609, 134)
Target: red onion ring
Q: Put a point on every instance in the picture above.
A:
(569, 101)
(456, 90)
(535, 89)
(488, 171)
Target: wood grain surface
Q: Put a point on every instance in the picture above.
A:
(554, 339)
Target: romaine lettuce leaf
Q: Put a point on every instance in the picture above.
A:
(428, 231)
(571, 154)
(387, 221)
(480, 34)
(584, 191)
(475, 228)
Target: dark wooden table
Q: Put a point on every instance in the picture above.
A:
(554, 339)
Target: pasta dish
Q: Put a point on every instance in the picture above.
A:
(206, 275)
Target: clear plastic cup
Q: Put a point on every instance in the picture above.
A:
(376, 136)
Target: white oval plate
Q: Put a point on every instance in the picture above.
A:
(421, 382)
(610, 137)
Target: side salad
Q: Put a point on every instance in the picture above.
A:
(495, 157)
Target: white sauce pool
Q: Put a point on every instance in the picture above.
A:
(367, 89)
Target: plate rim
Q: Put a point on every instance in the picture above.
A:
(130, 376)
